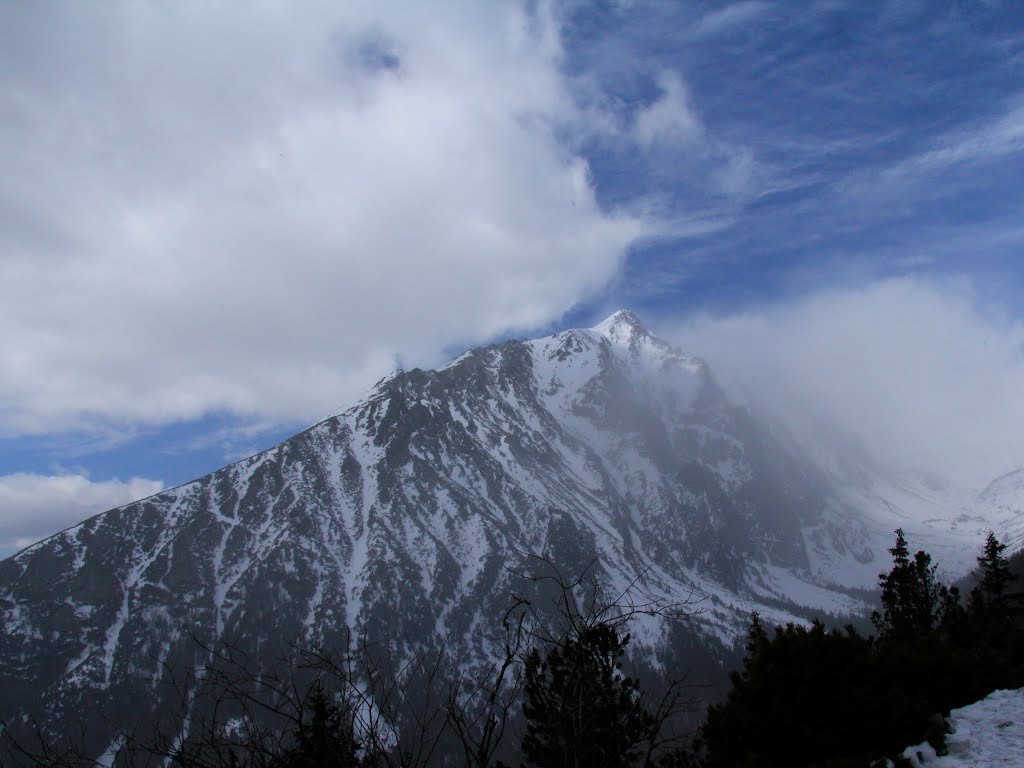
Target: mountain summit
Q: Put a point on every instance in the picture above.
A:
(622, 327)
(408, 516)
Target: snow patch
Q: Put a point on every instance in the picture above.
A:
(986, 734)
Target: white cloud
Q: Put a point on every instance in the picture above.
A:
(728, 18)
(203, 208)
(989, 140)
(670, 135)
(671, 118)
(34, 506)
(920, 372)
(978, 143)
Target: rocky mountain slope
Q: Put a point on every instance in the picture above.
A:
(408, 515)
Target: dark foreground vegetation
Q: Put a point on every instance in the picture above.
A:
(559, 696)
(810, 696)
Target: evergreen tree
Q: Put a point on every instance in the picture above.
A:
(757, 638)
(953, 626)
(992, 640)
(324, 737)
(805, 697)
(994, 575)
(810, 697)
(912, 599)
(580, 709)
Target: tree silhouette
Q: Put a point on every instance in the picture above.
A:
(325, 736)
(912, 598)
(994, 575)
(581, 710)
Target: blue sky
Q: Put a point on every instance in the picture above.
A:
(216, 228)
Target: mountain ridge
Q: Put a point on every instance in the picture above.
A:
(408, 514)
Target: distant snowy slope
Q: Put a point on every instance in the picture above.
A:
(1003, 503)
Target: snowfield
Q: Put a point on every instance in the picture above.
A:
(985, 734)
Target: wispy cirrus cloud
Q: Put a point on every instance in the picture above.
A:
(670, 119)
(730, 17)
(979, 142)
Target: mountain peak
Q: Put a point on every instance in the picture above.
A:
(621, 326)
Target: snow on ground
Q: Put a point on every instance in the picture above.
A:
(985, 734)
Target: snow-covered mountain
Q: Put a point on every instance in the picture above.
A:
(408, 515)
(1002, 503)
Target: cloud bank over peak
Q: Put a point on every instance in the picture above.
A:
(204, 210)
(922, 372)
